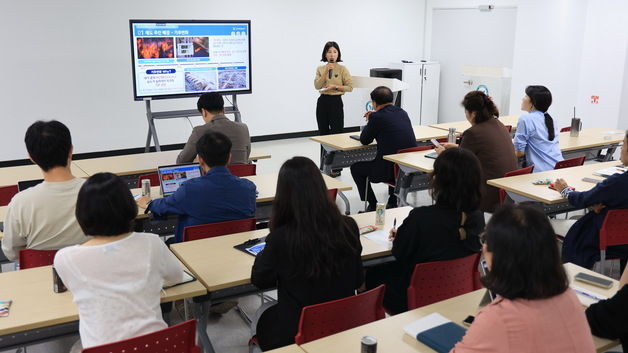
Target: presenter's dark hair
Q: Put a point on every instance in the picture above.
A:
(382, 95)
(105, 206)
(481, 104)
(526, 263)
(456, 181)
(214, 148)
(320, 239)
(541, 99)
(48, 143)
(328, 45)
(212, 102)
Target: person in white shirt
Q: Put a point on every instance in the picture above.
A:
(117, 276)
(42, 217)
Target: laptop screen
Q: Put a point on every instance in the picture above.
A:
(171, 177)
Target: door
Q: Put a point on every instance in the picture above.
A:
(468, 37)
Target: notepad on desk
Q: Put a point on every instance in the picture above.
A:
(436, 331)
(187, 278)
(606, 172)
(587, 297)
(379, 236)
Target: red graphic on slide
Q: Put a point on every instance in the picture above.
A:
(595, 99)
(155, 48)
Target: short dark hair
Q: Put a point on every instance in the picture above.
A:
(214, 147)
(481, 104)
(328, 45)
(105, 206)
(456, 180)
(382, 95)
(541, 99)
(212, 102)
(48, 143)
(526, 262)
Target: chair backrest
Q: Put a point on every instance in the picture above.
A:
(179, 338)
(153, 177)
(411, 149)
(242, 170)
(332, 193)
(219, 228)
(432, 282)
(566, 129)
(526, 170)
(7, 193)
(508, 128)
(613, 231)
(571, 162)
(325, 319)
(30, 258)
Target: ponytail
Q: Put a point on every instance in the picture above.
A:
(549, 123)
(481, 104)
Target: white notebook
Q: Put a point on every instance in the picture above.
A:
(425, 323)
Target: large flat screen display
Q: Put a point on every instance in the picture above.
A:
(173, 59)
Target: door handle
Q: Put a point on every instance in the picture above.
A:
(468, 82)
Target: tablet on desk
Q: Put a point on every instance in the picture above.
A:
(432, 155)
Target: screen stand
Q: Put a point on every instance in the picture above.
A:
(152, 116)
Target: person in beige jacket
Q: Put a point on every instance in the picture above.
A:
(42, 217)
(211, 106)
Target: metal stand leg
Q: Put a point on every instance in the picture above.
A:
(201, 312)
(346, 201)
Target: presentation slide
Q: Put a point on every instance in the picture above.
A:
(173, 59)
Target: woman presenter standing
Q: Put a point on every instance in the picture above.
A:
(332, 80)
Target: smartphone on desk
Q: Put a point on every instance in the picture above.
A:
(468, 321)
(355, 137)
(435, 142)
(593, 280)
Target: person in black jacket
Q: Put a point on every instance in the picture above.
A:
(390, 126)
(609, 318)
(447, 230)
(312, 253)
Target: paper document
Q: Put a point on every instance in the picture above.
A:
(425, 323)
(379, 236)
(587, 297)
(606, 172)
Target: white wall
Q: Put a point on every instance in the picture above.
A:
(70, 60)
(577, 49)
(548, 51)
(604, 62)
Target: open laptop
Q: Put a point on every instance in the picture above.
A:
(172, 176)
(25, 184)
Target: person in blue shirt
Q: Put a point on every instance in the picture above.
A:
(217, 196)
(581, 245)
(536, 137)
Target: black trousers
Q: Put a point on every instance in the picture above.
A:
(330, 115)
(377, 172)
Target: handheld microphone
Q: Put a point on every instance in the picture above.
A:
(329, 73)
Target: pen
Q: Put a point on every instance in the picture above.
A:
(587, 294)
(395, 224)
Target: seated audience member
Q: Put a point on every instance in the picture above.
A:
(42, 217)
(536, 137)
(447, 230)
(535, 310)
(608, 318)
(117, 276)
(217, 196)
(489, 140)
(581, 245)
(312, 252)
(390, 126)
(211, 106)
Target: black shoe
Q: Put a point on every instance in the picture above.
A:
(335, 173)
